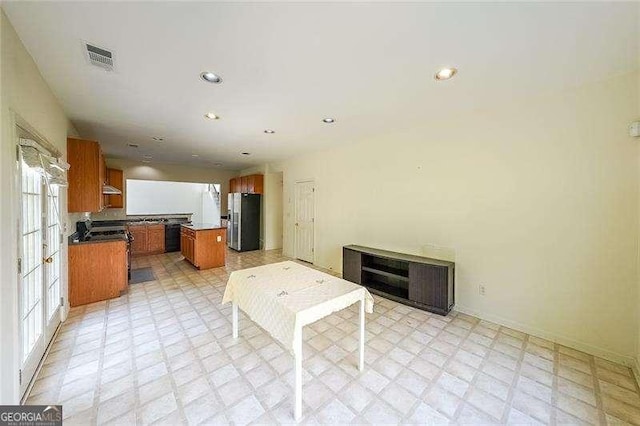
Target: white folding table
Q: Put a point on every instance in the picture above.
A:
(284, 297)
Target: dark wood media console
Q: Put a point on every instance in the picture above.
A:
(413, 280)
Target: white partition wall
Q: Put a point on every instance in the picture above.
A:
(149, 197)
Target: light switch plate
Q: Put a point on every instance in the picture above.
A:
(219, 238)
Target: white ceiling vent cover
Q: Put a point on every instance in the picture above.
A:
(99, 57)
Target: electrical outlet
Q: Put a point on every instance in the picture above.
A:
(481, 290)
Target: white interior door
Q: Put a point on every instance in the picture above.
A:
(304, 224)
(39, 270)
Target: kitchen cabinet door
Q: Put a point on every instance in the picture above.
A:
(258, 184)
(156, 238)
(140, 241)
(183, 244)
(190, 245)
(244, 184)
(102, 178)
(85, 176)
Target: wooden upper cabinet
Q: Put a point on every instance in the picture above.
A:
(255, 184)
(234, 185)
(86, 176)
(115, 178)
(252, 184)
(244, 184)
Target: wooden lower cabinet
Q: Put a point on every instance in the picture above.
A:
(139, 243)
(97, 271)
(204, 248)
(147, 239)
(155, 239)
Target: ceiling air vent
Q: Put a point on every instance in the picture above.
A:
(99, 57)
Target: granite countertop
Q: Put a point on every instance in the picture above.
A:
(147, 220)
(203, 226)
(96, 240)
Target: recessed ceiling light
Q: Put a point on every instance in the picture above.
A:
(246, 153)
(211, 116)
(445, 73)
(210, 77)
(147, 156)
(329, 120)
(146, 161)
(132, 145)
(217, 164)
(269, 131)
(157, 138)
(195, 155)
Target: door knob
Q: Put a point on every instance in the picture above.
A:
(48, 259)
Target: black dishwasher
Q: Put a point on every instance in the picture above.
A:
(172, 237)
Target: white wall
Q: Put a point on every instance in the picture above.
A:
(150, 197)
(166, 172)
(539, 201)
(25, 99)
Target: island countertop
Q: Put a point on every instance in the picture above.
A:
(203, 226)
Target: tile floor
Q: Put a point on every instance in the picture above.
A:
(163, 354)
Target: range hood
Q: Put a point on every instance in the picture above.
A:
(110, 190)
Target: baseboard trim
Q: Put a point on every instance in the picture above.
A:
(556, 338)
(27, 392)
(636, 371)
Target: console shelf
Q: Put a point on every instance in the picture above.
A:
(386, 273)
(413, 280)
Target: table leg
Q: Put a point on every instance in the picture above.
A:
(234, 318)
(361, 363)
(298, 372)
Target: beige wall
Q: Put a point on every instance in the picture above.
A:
(272, 210)
(167, 172)
(538, 201)
(25, 99)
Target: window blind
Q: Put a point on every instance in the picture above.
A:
(53, 169)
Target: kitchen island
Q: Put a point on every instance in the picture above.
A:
(204, 245)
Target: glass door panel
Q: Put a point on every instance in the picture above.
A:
(31, 283)
(39, 245)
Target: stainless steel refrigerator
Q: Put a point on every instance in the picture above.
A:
(243, 226)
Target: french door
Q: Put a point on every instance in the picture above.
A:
(39, 280)
(304, 225)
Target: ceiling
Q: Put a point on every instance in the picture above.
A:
(286, 66)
